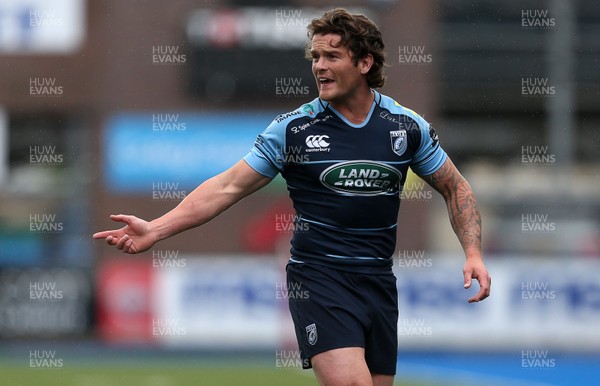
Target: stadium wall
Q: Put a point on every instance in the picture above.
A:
(235, 302)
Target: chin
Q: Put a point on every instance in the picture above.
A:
(326, 96)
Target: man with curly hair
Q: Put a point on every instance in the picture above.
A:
(345, 156)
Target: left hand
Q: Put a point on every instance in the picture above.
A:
(475, 269)
(135, 237)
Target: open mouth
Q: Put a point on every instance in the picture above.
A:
(323, 80)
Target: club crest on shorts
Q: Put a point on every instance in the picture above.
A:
(399, 141)
(311, 334)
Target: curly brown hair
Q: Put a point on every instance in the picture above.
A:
(358, 33)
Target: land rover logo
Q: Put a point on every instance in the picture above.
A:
(364, 178)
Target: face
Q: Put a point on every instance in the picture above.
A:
(338, 79)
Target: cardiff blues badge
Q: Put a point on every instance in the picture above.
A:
(399, 141)
(311, 334)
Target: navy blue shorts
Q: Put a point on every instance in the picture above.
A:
(343, 309)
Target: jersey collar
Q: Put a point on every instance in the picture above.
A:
(376, 101)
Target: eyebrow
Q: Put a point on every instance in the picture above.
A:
(328, 50)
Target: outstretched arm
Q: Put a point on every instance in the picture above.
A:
(466, 222)
(203, 204)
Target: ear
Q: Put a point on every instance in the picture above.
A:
(365, 64)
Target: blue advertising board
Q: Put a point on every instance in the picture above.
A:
(142, 149)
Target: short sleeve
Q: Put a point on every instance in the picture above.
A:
(266, 156)
(429, 156)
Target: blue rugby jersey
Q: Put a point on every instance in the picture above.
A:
(345, 179)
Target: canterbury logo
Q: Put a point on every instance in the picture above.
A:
(317, 141)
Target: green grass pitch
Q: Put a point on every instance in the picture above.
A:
(158, 375)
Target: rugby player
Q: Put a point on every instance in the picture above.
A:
(345, 157)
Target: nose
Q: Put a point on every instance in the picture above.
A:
(319, 65)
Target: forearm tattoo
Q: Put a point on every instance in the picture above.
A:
(462, 205)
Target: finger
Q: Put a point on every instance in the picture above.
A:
(122, 242)
(115, 217)
(127, 247)
(113, 240)
(102, 235)
(484, 290)
(479, 297)
(121, 218)
(467, 278)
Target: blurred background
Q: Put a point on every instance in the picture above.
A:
(124, 107)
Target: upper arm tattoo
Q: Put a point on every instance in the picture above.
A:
(460, 200)
(440, 177)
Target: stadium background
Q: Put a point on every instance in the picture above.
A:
(124, 107)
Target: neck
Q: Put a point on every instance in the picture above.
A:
(356, 108)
